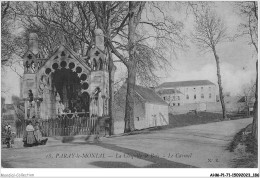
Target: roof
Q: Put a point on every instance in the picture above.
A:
(169, 91)
(149, 95)
(146, 94)
(185, 83)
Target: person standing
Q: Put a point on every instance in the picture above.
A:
(8, 137)
(30, 137)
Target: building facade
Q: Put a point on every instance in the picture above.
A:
(65, 83)
(186, 92)
(149, 109)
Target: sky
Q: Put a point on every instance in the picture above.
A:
(237, 60)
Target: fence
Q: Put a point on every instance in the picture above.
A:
(65, 125)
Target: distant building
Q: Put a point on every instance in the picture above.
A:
(149, 109)
(186, 92)
(247, 104)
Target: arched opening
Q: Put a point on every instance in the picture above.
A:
(100, 64)
(67, 86)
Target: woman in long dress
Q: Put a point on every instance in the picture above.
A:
(30, 137)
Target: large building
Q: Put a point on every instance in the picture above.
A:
(185, 92)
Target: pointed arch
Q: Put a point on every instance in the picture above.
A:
(64, 58)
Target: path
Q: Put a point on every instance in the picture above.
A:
(192, 146)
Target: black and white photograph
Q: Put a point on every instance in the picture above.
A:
(129, 84)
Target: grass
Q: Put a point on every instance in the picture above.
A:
(243, 145)
(182, 120)
(236, 140)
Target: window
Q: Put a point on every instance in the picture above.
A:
(187, 97)
(202, 95)
(209, 88)
(201, 88)
(194, 96)
(173, 104)
(210, 95)
(194, 89)
(138, 118)
(178, 104)
(178, 97)
(164, 98)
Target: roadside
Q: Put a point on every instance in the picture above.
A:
(242, 146)
(201, 145)
(188, 119)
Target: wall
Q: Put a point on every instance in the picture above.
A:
(231, 106)
(29, 83)
(207, 89)
(156, 115)
(119, 107)
(190, 91)
(176, 99)
(119, 127)
(139, 115)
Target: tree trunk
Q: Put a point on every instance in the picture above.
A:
(221, 96)
(129, 107)
(111, 93)
(255, 118)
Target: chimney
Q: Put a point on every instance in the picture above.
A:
(99, 39)
(33, 43)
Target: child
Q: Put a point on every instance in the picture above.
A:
(8, 137)
(13, 135)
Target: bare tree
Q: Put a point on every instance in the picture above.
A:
(10, 41)
(247, 95)
(135, 11)
(249, 28)
(77, 20)
(148, 50)
(209, 32)
(130, 19)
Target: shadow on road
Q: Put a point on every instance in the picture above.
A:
(157, 162)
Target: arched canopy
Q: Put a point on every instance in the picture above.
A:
(65, 58)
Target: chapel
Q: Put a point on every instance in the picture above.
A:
(65, 83)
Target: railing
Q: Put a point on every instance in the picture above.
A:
(67, 124)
